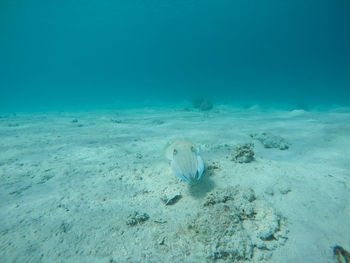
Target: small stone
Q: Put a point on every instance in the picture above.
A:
(213, 166)
(136, 218)
(64, 227)
(269, 140)
(171, 200)
(269, 191)
(116, 121)
(243, 153)
(160, 221)
(158, 122)
(285, 190)
(161, 241)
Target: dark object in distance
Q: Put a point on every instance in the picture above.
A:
(202, 104)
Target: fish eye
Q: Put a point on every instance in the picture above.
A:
(175, 151)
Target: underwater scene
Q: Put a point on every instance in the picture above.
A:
(175, 131)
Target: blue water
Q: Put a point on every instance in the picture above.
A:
(83, 180)
(90, 54)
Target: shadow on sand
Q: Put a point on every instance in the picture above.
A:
(199, 189)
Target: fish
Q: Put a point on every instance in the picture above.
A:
(185, 161)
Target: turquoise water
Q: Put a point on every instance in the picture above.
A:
(106, 105)
(92, 54)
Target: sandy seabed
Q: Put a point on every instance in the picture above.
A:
(92, 187)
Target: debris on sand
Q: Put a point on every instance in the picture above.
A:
(136, 218)
(234, 226)
(172, 199)
(243, 153)
(271, 141)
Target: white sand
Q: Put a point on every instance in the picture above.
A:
(66, 191)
